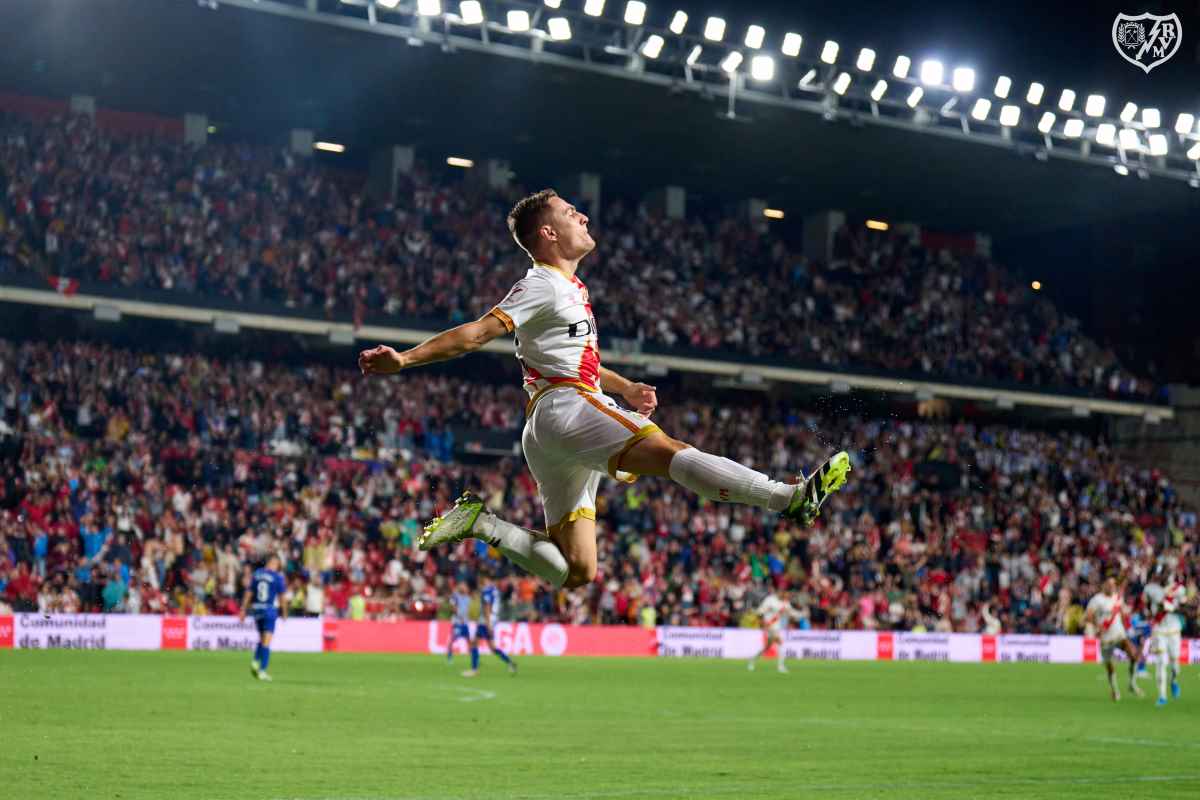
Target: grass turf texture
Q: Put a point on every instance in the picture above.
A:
(195, 725)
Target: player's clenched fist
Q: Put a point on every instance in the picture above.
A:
(381, 360)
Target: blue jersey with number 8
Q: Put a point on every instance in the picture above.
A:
(266, 585)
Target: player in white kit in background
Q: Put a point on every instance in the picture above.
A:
(575, 433)
(1108, 615)
(1163, 602)
(773, 615)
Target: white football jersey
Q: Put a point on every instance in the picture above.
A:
(556, 338)
(1163, 603)
(1109, 612)
(774, 612)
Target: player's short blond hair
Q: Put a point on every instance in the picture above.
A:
(526, 217)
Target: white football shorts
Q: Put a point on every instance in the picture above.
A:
(571, 438)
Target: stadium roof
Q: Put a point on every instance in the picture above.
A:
(262, 73)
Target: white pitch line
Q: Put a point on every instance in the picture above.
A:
(795, 788)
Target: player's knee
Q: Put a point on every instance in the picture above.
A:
(580, 574)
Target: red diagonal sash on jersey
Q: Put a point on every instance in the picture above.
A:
(1116, 612)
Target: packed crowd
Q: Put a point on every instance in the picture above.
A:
(263, 226)
(132, 481)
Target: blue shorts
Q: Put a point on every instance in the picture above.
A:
(483, 633)
(265, 621)
(460, 631)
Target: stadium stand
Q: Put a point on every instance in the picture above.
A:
(260, 226)
(133, 480)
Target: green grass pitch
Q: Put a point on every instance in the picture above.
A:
(357, 727)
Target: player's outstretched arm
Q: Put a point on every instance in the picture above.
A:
(468, 338)
(641, 396)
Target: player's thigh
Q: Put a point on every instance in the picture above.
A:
(651, 456)
(577, 541)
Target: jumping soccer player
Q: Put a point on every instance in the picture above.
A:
(574, 432)
(1107, 614)
(262, 597)
(1163, 604)
(485, 628)
(773, 615)
(460, 605)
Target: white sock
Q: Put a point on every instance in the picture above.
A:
(1112, 680)
(716, 478)
(1162, 669)
(532, 551)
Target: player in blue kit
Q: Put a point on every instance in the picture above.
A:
(485, 628)
(460, 605)
(264, 601)
(1139, 634)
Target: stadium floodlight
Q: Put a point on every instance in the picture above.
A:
(1003, 86)
(1129, 139)
(635, 12)
(879, 90)
(866, 59)
(842, 83)
(772, 213)
(678, 22)
(1158, 144)
(429, 8)
(714, 29)
(553, 3)
(829, 51)
(329, 147)
(754, 36)
(694, 56)
(470, 12)
(388, 4)
(653, 46)
(1034, 95)
(1073, 129)
(1184, 123)
(762, 68)
(915, 96)
(1151, 118)
(932, 72)
(981, 109)
(1121, 170)
(963, 79)
(518, 20)
(1094, 107)
(1010, 116)
(791, 44)
(731, 62)
(462, 163)
(560, 28)
(901, 67)
(1194, 152)
(1046, 123)
(1106, 134)
(1129, 112)
(1066, 101)
(808, 78)
(593, 8)
(877, 225)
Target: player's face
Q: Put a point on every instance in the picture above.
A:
(1110, 586)
(571, 227)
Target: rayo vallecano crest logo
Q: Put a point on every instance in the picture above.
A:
(1147, 40)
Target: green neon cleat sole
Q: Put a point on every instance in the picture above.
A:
(453, 526)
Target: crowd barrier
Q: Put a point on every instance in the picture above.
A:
(308, 635)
